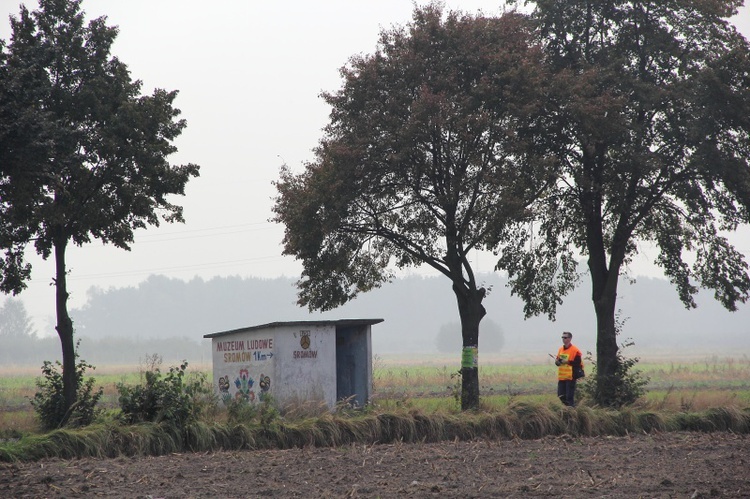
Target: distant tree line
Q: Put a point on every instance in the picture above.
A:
(21, 346)
(175, 314)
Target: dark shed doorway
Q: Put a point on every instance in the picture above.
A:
(353, 364)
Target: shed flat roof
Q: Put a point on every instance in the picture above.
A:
(339, 322)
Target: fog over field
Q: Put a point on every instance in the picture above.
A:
(169, 317)
(414, 310)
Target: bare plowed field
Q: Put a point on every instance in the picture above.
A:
(661, 465)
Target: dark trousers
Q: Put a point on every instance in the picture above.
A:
(566, 392)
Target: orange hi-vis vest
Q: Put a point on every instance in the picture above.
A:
(565, 370)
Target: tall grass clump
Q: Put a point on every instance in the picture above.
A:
(715, 419)
(516, 421)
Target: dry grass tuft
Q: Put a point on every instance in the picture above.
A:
(534, 421)
(716, 419)
(517, 420)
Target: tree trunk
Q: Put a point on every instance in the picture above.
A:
(471, 311)
(604, 278)
(607, 362)
(65, 328)
(604, 285)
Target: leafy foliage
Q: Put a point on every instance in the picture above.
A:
(49, 401)
(176, 398)
(422, 159)
(103, 171)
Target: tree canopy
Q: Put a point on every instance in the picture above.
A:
(425, 159)
(648, 115)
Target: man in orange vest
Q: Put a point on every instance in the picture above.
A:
(569, 362)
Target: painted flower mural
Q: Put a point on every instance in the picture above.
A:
(244, 384)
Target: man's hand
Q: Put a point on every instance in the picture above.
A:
(558, 362)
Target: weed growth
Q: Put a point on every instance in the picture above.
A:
(624, 387)
(264, 413)
(49, 400)
(177, 398)
(629, 384)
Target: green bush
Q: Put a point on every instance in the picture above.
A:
(625, 386)
(49, 401)
(629, 384)
(177, 398)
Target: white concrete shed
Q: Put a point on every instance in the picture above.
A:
(299, 361)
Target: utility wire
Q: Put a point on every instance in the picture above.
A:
(227, 263)
(181, 235)
(237, 229)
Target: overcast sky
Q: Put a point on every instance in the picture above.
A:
(249, 75)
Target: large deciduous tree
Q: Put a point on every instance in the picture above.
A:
(649, 117)
(424, 160)
(85, 155)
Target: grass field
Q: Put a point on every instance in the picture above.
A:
(430, 384)
(692, 384)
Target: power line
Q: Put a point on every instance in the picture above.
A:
(237, 229)
(130, 273)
